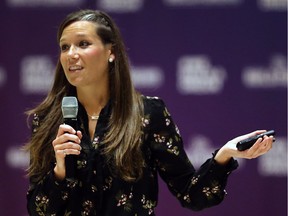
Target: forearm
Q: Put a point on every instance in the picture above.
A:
(222, 157)
(207, 187)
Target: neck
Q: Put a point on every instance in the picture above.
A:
(92, 101)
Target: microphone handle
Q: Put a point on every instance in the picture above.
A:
(71, 160)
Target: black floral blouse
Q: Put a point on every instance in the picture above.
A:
(97, 192)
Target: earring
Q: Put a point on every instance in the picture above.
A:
(110, 59)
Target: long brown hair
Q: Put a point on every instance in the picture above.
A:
(123, 140)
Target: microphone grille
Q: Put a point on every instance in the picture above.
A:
(69, 107)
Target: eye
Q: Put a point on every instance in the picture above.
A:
(84, 44)
(64, 47)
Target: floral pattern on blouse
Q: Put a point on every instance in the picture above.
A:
(97, 191)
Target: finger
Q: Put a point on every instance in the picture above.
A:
(64, 128)
(262, 146)
(61, 153)
(64, 138)
(245, 136)
(66, 152)
(79, 134)
(67, 146)
(253, 151)
(268, 142)
(70, 137)
(256, 132)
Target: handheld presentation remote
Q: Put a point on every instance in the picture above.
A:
(249, 142)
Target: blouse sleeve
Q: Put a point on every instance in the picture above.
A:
(47, 196)
(194, 189)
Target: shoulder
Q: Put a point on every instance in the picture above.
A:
(155, 110)
(153, 102)
(154, 105)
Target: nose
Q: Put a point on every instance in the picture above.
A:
(73, 52)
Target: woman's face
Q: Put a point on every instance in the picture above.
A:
(84, 57)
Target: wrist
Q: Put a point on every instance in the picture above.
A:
(222, 157)
(59, 173)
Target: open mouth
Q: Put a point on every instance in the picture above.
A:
(75, 68)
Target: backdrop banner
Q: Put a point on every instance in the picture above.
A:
(220, 67)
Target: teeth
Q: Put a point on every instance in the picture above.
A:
(75, 67)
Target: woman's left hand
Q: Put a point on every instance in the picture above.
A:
(229, 150)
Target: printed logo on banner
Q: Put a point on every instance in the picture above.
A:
(199, 149)
(275, 162)
(274, 75)
(33, 3)
(120, 5)
(196, 75)
(36, 74)
(147, 77)
(275, 5)
(17, 158)
(3, 76)
(202, 2)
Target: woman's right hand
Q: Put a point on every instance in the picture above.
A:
(67, 142)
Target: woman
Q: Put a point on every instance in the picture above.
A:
(124, 138)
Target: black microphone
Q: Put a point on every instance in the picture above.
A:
(69, 111)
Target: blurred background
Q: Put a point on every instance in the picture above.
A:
(220, 66)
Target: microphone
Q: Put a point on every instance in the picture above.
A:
(69, 111)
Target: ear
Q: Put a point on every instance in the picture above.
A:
(110, 53)
(112, 56)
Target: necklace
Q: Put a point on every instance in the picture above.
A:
(93, 117)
